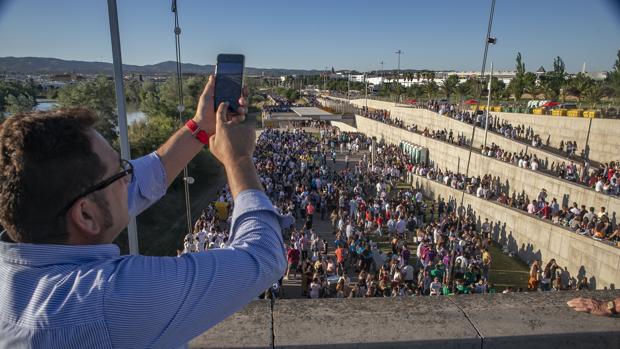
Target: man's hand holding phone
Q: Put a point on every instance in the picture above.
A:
(233, 145)
(205, 112)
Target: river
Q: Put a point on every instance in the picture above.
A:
(133, 113)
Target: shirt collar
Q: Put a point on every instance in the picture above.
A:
(48, 254)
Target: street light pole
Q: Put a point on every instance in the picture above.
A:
(348, 85)
(325, 79)
(486, 124)
(399, 52)
(366, 90)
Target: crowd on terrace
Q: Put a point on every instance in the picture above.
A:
(604, 178)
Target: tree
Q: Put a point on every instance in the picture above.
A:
(553, 81)
(449, 85)
(529, 84)
(517, 85)
(23, 96)
(498, 88)
(132, 91)
(97, 95)
(19, 104)
(578, 85)
(613, 76)
(431, 89)
(461, 90)
(594, 93)
(147, 135)
(415, 91)
(548, 89)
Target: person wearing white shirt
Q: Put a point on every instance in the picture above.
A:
(401, 225)
(418, 197)
(350, 230)
(598, 187)
(202, 235)
(315, 288)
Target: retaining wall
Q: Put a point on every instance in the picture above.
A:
(454, 158)
(534, 239)
(603, 139)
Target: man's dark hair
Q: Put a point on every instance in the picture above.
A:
(46, 160)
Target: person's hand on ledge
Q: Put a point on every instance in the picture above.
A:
(592, 306)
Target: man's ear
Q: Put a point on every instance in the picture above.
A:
(83, 222)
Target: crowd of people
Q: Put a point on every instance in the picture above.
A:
(603, 179)
(385, 241)
(587, 222)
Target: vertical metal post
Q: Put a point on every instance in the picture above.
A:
(366, 89)
(486, 121)
(120, 103)
(348, 85)
(181, 109)
(399, 52)
(373, 153)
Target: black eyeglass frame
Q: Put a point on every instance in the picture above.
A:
(128, 170)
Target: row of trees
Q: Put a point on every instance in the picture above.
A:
(556, 84)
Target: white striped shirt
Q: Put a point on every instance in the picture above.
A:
(89, 296)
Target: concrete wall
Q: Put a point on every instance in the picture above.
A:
(502, 321)
(434, 121)
(534, 239)
(344, 127)
(603, 140)
(454, 158)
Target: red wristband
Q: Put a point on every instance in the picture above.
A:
(199, 134)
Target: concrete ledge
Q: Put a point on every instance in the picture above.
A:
(247, 328)
(371, 323)
(514, 320)
(539, 320)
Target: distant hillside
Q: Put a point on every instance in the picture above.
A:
(34, 65)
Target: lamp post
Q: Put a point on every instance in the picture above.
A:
(366, 90)
(348, 85)
(486, 121)
(325, 79)
(399, 52)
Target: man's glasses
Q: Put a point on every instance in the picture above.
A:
(126, 170)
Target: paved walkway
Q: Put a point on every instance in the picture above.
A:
(323, 228)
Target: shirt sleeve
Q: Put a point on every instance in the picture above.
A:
(148, 184)
(166, 301)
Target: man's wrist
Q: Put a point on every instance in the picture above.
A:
(243, 162)
(204, 125)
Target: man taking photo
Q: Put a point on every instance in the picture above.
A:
(65, 195)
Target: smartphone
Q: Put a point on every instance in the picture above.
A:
(228, 80)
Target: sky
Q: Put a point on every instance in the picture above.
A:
(344, 34)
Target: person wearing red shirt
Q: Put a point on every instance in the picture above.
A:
(309, 214)
(340, 254)
(292, 256)
(545, 212)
